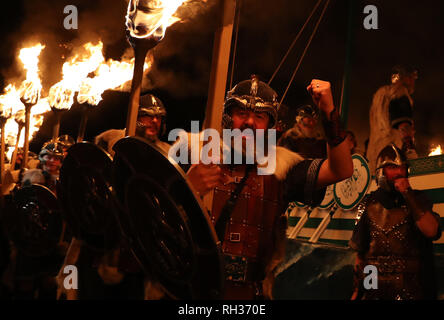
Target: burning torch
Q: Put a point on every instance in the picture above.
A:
(87, 100)
(60, 100)
(5, 114)
(19, 117)
(146, 23)
(30, 89)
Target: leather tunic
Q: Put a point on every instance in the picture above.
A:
(248, 241)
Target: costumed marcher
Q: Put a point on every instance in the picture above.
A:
(306, 137)
(391, 116)
(394, 232)
(151, 125)
(253, 242)
(50, 157)
(114, 273)
(33, 274)
(65, 142)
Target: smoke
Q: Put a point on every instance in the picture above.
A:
(182, 60)
(104, 20)
(43, 21)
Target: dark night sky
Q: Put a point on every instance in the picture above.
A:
(409, 32)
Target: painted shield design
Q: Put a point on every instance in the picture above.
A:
(348, 193)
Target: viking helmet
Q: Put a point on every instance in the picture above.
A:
(390, 155)
(152, 106)
(306, 111)
(65, 141)
(51, 148)
(253, 95)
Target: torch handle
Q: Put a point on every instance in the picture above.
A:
(82, 127)
(56, 128)
(14, 154)
(2, 151)
(27, 125)
(136, 87)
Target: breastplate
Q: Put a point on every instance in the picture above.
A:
(249, 230)
(392, 232)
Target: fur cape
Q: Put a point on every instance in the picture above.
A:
(108, 138)
(285, 160)
(381, 132)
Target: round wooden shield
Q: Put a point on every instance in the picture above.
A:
(329, 198)
(33, 220)
(348, 193)
(168, 230)
(85, 192)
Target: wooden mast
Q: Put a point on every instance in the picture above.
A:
(220, 64)
(219, 73)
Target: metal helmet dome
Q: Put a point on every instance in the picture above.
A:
(253, 95)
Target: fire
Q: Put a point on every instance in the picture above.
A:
(61, 95)
(110, 75)
(151, 18)
(76, 78)
(12, 98)
(436, 151)
(31, 88)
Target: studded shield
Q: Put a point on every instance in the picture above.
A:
(170, 233)
(33, 220)
(85, 193)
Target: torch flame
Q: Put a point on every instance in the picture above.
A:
(436, 151)
(11, 99)
(31, 88)
(151, 18)
(61, 95)
(110, 75)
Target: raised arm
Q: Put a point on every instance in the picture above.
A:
(339, 165)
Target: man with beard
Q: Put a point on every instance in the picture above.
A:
(249, 209)
(306, 137)
(151, 124)
(394, 233)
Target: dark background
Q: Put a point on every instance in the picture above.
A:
(409, 32)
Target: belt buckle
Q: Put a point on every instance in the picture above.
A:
(236, 268)
(235, 237)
